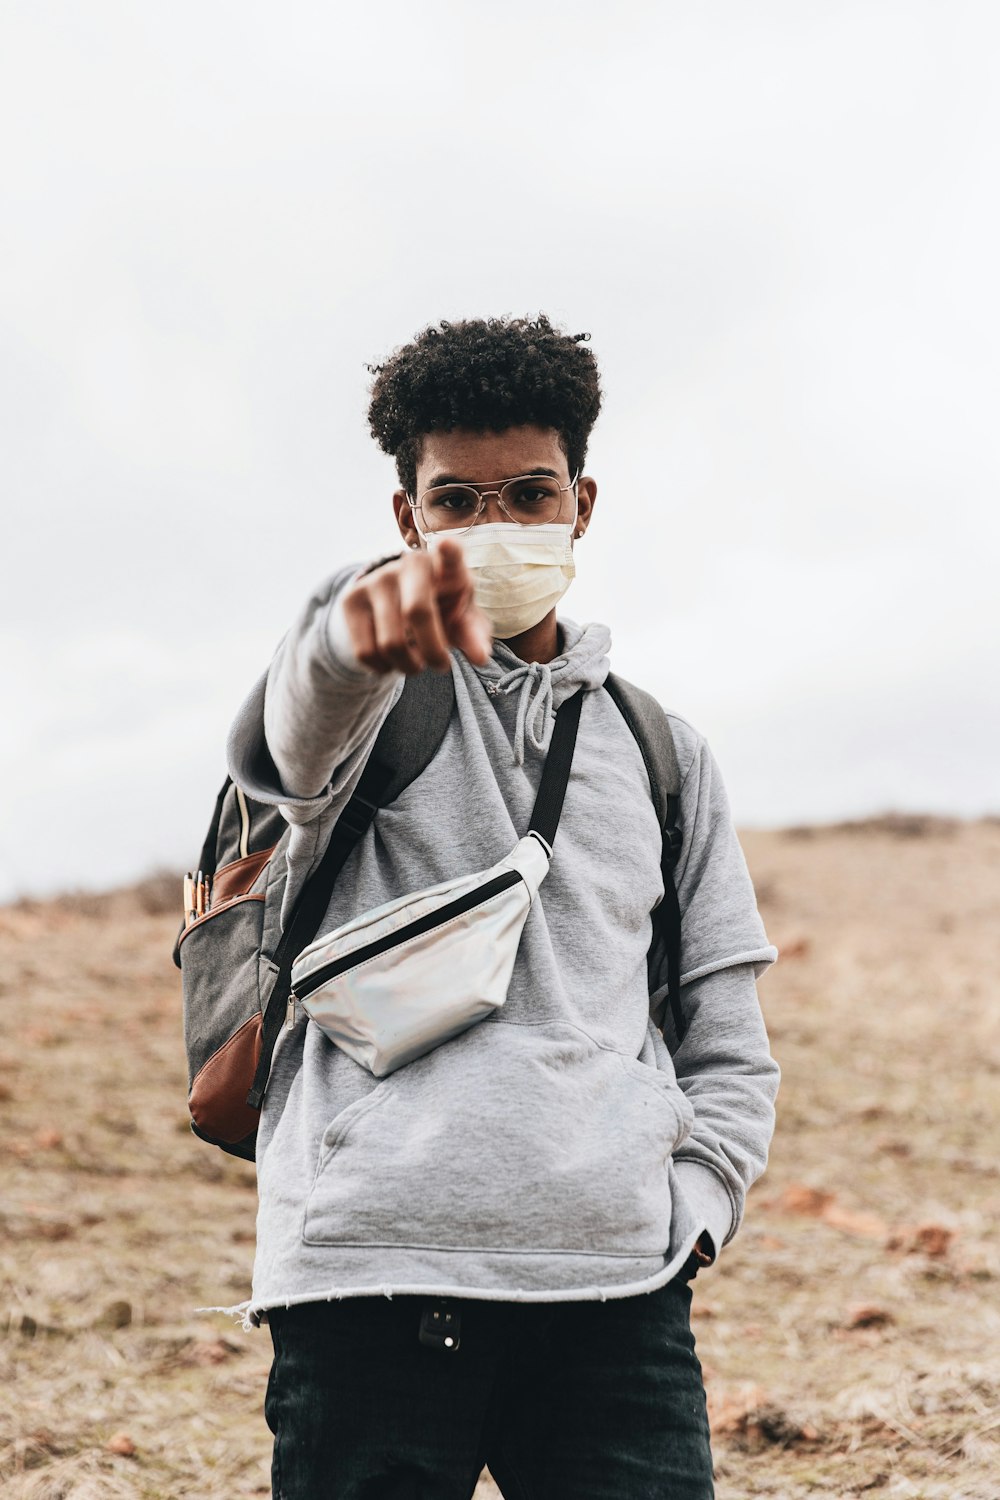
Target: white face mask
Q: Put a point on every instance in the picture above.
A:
(520, 572)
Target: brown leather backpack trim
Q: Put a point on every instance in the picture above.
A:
(218, 1097)
(237, 878)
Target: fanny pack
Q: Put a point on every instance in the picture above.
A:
(401, 979)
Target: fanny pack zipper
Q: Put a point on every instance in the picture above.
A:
(436, 918)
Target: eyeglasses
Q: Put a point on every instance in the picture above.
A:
(527, 500)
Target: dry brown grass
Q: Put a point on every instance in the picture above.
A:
(849, 1335)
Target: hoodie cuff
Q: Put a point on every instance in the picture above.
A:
(709, 1200)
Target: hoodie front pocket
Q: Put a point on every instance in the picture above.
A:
(342, 1122)
(511, 1137)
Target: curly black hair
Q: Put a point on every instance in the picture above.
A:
(487, 374)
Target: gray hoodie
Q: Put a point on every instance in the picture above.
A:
(556, 1150)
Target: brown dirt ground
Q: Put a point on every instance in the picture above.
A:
(850, 1336)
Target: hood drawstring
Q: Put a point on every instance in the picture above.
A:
(534, 707)
(542, 686)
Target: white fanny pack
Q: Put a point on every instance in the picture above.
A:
(401, 979)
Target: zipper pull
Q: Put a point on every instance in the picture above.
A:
(290, 1011)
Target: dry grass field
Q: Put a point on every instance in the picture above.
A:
(850, 1336)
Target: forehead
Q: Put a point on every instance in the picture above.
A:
(465, 454)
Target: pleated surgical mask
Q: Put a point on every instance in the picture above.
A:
(520, 572)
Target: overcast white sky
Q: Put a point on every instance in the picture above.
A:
(779, 223)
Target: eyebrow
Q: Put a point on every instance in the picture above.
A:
(440, 479)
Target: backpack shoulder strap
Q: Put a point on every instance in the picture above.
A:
(411, 735)
(651, 730)
(406, 744)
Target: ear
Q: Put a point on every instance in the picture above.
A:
(586, 489)
(404, 519)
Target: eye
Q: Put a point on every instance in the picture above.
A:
(535, 497)
(452, 500)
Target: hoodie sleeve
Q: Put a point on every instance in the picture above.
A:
(306, 729)
(724, 1064)
(302, 737)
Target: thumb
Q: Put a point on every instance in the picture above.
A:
(471, 633)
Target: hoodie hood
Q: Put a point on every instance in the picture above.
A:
(540, 687)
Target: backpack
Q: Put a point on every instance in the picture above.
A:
(236, 959)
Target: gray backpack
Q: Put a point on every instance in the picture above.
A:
(236, 959)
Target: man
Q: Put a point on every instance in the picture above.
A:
(539, 1190)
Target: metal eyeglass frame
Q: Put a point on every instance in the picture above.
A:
(457, 530)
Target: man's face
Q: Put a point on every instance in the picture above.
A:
(487, 459)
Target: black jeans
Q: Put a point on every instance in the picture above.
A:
(563, 1401)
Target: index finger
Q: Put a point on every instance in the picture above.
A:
(465, 625)
(451, 573)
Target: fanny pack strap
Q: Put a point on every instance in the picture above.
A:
(548, 806)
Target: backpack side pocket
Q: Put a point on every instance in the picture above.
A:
(219, 956)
